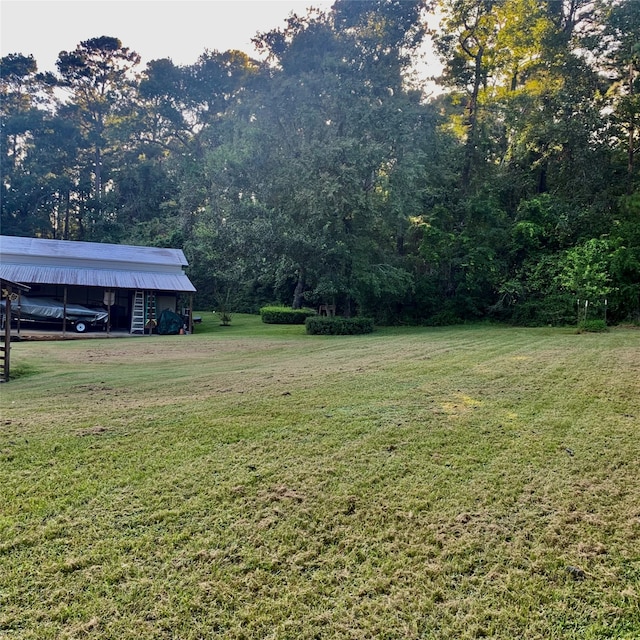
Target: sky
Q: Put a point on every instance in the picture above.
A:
(176, 29)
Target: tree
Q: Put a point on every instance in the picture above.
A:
(98, 78)
(330, 138)
(28, 190)
(18, 74)
(322, 173)
(466, 47)
(620, 52)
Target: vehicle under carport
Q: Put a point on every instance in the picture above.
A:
(48, 311)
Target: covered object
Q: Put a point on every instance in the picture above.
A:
(47, 309)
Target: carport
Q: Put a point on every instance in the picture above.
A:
(133, 283)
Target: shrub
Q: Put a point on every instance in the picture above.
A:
(285, 315)
(338, 326)
(592, 326)
(556, 310)
(225, 318)
(443, 319)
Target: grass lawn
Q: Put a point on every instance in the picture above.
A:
(251, 482)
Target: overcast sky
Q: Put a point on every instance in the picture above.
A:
(176, 29)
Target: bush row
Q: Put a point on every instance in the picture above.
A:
(337, 326)
(285, 315)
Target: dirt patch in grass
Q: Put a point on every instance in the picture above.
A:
(92, 431)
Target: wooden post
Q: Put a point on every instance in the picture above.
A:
(64, 312)
(19, 314)
(10, 293)
(6, 346)
(109, 299)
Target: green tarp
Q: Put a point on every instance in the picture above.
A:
(169, 323)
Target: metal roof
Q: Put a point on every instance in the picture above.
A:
(39, 261)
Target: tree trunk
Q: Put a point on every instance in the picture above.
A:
(98, 175)
(67, 213)
(632, 126)
(542, 178)
(299, 290)
(472, 121)
(347, 307)
(80, 219)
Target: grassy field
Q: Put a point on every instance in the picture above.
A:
(253, 482)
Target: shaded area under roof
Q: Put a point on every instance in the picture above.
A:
(92, 264)
(109, 279)
(6, 283)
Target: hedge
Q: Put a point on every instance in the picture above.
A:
(337, 326)
(285, 315)
(592, 326)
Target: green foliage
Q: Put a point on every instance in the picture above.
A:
(338, 326)
(625, 261)
(285, 315)
(381, 289)
(592, 326)
(585, 270)
(556, 309)
(325, 172)
(444, 318)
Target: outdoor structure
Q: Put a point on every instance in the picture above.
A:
(133, 285)
(10, 293)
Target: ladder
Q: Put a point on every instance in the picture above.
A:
(138, 313)
(5, 345)
(4, 362)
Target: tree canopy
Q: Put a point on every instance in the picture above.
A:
(322, 172)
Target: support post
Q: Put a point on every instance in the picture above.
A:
(6, 367)
(64, 312)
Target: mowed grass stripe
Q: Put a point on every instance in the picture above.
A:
(449, 483)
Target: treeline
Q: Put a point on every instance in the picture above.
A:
(324, 172)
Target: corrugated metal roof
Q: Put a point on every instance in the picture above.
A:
(63, 250)
(92, 264)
